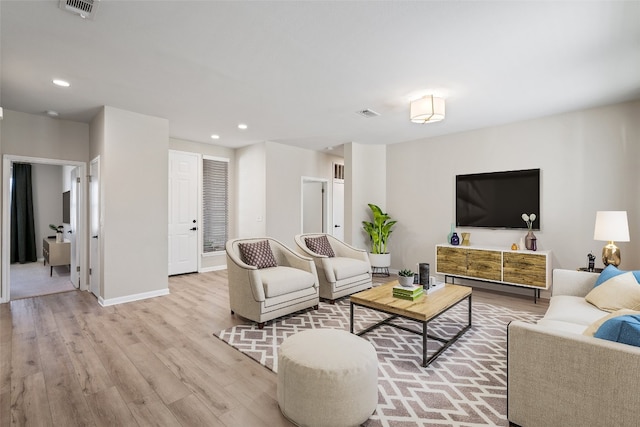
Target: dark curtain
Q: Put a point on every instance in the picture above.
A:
(23, 235)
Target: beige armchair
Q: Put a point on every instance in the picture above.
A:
(263, 294)
(345, 273)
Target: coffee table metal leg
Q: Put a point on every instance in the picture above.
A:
(351, 319)
(424, 343)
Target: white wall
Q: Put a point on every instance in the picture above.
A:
(365, 182)
(285, 167)
(212, 261)
(251, 190)
(588, 161)
(42, 137)
(134, 176)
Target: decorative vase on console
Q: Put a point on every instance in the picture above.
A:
(530, 240)
(455, 240)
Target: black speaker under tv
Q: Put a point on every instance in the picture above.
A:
(498, 199)
(66, 207)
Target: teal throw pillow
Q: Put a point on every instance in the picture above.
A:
(612, 271)
(623, 329)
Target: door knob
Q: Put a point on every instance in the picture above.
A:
(194, 228)
(336, 226)
(69, 231)
(94, 237)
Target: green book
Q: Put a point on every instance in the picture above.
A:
(410, 291)
(409, 297)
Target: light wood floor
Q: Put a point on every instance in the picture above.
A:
(66, 361)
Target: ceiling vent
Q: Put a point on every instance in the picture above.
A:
(84, 8)
(368, 113)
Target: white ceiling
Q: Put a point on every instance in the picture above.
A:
(297, 71)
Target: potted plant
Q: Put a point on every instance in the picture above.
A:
(405, 277)
(58, 229)
(379, 231)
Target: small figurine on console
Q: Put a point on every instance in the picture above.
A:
(592, 259)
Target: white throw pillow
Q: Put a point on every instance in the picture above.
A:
(621, 291)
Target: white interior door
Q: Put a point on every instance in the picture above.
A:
(73, 226)
(94, 227)
(183, 212)
(338, 209)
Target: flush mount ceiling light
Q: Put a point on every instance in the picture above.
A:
(52, 113)
(242, 126)
(428, 109)
(61, 83)
(214, 136)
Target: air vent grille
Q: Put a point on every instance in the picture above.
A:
(84, 8)
(368, 113)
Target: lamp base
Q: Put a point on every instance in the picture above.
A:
(611, 255)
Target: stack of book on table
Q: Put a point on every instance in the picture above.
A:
(410, 293)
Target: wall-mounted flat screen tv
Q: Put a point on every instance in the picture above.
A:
(498, 199)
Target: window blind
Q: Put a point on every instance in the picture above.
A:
(215, 204)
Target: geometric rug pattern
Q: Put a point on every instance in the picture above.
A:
(464, 386)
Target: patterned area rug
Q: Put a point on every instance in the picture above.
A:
(464, 386)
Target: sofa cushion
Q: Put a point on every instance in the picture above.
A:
(344, 268)
(595, 325)
(560, 325)
(623, 329)
(618, 292)
(613, 271)
(258, 254)
(319, 245)
(572, 309)
(284, 280)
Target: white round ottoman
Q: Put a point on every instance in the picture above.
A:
(327, 377)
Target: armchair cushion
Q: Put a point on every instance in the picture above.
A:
(344, 268)
(258, 254)
(320, 245)
(284, 280)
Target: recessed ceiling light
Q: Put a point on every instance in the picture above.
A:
(61, 83)
(242, 126)
(52, 113)
(214, 136)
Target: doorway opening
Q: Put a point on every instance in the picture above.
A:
(314, 205)
(56, 275)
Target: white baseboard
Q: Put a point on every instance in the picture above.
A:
(214, 268)
(131, 298)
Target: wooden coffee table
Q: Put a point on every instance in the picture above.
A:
(423, 310)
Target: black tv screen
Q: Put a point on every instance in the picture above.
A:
(498, 199)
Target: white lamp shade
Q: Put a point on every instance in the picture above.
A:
(427, 110)
(611, 226)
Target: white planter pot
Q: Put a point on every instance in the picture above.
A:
(405, 281)
(380, 260)
(59, 238)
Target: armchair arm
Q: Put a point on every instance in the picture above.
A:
(287, 257)
(343, 249)
(561, 378)
(243, 278)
